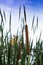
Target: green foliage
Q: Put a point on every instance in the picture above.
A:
(9, 54)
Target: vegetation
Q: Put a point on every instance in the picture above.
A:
(14, 51)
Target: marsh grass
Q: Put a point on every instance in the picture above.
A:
(17, 54)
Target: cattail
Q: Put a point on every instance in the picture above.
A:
(19, 51)
(24, 13)
(27, 40)
(21, 46)
(26, 31)
(18, 56)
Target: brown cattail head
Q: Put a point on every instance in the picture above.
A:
(26, 31)
(27, 40)
(19, 55)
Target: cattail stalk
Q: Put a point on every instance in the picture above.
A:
(18, 56)
(26, 31)
(27, 39)
(19, 51)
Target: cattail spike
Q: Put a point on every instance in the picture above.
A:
(24, 13)
(27, 40)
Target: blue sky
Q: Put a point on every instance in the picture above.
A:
(33, 3)
(32, 7)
